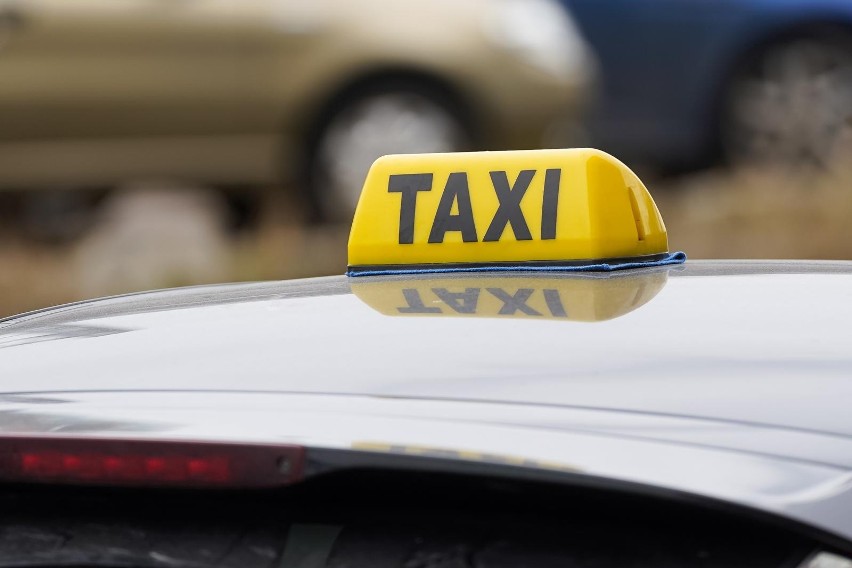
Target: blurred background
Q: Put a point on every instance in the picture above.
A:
(157, 143)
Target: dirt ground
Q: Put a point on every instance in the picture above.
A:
(156, 235)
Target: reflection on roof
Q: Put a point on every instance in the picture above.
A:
(56, 332)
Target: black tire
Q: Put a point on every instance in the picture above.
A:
(390, 117)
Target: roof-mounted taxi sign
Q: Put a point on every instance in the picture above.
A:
(538, 210)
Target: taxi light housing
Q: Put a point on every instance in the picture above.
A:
(146, 463)
(553, 209)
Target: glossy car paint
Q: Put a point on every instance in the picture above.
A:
(665, 63)
(732, 383)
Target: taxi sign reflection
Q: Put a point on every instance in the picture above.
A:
(576, 297)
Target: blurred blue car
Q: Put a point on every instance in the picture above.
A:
(688, 83)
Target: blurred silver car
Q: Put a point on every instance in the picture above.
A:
(224, 92)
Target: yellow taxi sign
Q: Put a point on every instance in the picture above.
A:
(491, 209)
(565, 297)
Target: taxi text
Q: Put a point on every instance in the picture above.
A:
(456, 195)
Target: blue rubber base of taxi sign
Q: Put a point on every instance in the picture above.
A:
(607, 265)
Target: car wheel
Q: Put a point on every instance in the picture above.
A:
(394, 120)
(789, 103)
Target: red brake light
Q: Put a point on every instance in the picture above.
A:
(148, 463)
